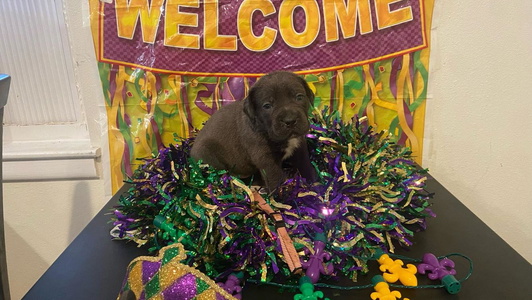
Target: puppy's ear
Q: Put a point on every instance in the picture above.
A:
(249, 109)
(308, 91)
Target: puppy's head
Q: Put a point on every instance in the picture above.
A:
(278, 104)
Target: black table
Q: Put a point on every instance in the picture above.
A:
(94, 266)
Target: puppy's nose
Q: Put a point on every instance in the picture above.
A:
(289, 121)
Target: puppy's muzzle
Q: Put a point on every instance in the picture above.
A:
(289, 119)
(290, 122)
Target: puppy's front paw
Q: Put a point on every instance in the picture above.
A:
(273, 176)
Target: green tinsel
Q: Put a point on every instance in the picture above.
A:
(368, 195)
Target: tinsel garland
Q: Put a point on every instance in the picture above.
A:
(368, 195)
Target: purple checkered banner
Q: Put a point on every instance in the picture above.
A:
(253, 37)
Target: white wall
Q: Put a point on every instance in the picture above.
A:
(42, 218)
(478, 138)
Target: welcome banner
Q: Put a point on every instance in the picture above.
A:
(167, 65)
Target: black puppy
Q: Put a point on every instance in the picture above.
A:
(256, 135)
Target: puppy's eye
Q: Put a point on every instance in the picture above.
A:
(266, 106)
(300, 97)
